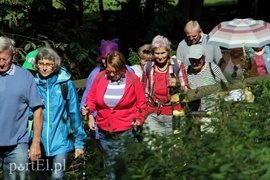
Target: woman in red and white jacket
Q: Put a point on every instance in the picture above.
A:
(119, 98)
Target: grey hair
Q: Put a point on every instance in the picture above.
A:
(161, 42)
(48, 54)
(191, 25)
(7, 44)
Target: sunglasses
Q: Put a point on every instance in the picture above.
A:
(235, 69)
(110, 72)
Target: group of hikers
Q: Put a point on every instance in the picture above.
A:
(118, 101)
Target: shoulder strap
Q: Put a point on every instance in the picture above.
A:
(101, 76)
(129, 74)
(64, 89)
(131, 79)
(211, 70)
(189, 69)
(148, 67)
(176, 68)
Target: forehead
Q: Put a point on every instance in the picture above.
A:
(6, 52)
(110, 67)
(193, 32)
(46, 60)
(162, 49)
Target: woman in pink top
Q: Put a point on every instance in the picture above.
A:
(118, 96)
(262, 59)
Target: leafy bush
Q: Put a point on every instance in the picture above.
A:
(235, 147)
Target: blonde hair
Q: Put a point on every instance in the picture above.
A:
(144, 52)
(191, 25)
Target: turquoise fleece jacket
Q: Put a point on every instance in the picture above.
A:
(57, 127)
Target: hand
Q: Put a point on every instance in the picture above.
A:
(78, 152)
(91, 122)
(172, 82)
(85, 111)
(136, 125)
(34, 151)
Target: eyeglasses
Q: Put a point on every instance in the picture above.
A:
(196, 61)
(5, 59)
(235, 69)
(41, 64)
(110, 72)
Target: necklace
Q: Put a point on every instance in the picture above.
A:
(160, 70)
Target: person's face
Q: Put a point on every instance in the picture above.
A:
(112, 74)
(161, 55)
(197, 64)
(45, 67)
(194, 36)
(236, 52)
(258, 49)
(144, 61)
(5, 61)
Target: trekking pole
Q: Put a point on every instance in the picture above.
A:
(84, 167)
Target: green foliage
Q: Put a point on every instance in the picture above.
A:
(234, 145)
(133, 57)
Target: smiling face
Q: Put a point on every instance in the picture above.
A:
(5, 61)
(161, 55)
(45, 67)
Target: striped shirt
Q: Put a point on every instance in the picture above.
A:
(114, 92)
(204, 78)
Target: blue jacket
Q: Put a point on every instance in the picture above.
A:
(56, 125)
(266, 57)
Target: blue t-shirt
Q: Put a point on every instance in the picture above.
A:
(18, 93)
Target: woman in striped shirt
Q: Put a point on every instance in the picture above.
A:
(118, 96)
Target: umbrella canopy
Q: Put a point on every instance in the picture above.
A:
(240, 32)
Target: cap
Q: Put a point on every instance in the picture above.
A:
(108, 46)
(196, 51)
(29, 60)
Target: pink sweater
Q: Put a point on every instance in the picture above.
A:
(131, 105)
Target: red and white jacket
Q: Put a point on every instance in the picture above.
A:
(131, 105)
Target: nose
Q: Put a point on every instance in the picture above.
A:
(2, 63)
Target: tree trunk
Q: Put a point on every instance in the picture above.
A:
(203, 91)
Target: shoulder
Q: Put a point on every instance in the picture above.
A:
(183, 44)
(267, 49)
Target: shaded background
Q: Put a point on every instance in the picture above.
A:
(76, 27)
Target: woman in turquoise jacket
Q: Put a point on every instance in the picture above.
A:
(61, 117)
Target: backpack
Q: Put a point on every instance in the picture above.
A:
(129, 75)
(64, 90)
(176, 68)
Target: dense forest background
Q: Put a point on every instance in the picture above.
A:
(76, 27)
